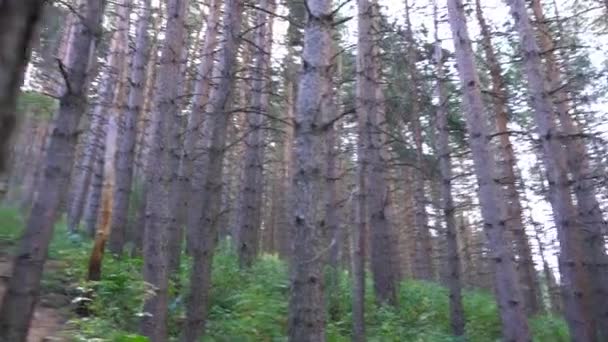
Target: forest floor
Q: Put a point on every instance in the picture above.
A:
(49, 316)
(245, 305)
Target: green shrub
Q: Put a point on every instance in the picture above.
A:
(11, 225)
(549, 328)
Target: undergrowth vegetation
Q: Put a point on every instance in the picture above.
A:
(252, 305)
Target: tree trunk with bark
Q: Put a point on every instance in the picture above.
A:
(126, 141)
(510, 304)
(457, 319)
(88, 178)
(306, 320)
(194, 138)
(508, 172)
(207, 180)
(590, 216)
(370, 109)
(575, 280)
(24, 286)
(249, 208)
(159, 219)
(18, 24)
(107, 198)
(283, 235)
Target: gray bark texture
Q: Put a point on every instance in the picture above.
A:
(24, 286)
(206, 186)
(18, 22)
(93, 193)
(457, 319)
(306, 320)
(195, 138)
(510, 302)
(127, 139)
(249, 206)
(590, 216)
(88, 175)
(370, 110)
(575, 280)
(283, 233)
(159, 219)
(507, 168)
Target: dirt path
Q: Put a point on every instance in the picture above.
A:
(47, 322)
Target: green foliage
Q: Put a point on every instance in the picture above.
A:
(251, 305)
(549, 328)
(247, 305)
(482, 320)
(10, 225)
(36, 105)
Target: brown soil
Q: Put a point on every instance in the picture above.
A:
(48, 319)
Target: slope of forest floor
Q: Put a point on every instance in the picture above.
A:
(245, 305)
(50, 313)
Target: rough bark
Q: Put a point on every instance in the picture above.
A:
(306, 320)
(332, 178)
(283, 235)
(31, 180)
(457, 320)
(249, 207)
(370, 110)
(590, 216)
(194, 138)
(18, 22)
(507, 166)
(575, 280)
(358, 255)
(206, 195)
(107, 198)
(159, 220)
(24, 286)
(514, 323)
(126, 142)
(88, 178)
(93, 194)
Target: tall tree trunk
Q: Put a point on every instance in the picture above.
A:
(358, 254)
(457, 319)
(116, 107)
(575, 280)
(423, 265)
(196, 119)
(88, 178)
(370, 109)
(306, 306)
(127, 139)
(159, 220)
(508, 172)
(107, 198)
(36, 158)
(515, 325)
(18, 22)
(83, 172)
(93, 200)
(24, 286)
(332, 178)
(249, 208)
(590, 217)
(207, 181)
(284, 233)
